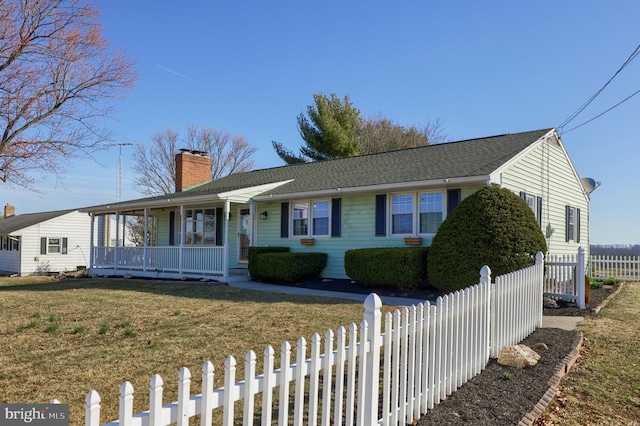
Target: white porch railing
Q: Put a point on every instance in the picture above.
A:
(425, 353)
(620, 267)
(565, 277)
(199, 260)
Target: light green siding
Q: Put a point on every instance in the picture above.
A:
(357, 231)
(546, 171)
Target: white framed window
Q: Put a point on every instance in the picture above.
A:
(411, 218)
(572, 224)
(535, 203)
(430, 212)
(199, 227)
(54, 245)
(311, 218)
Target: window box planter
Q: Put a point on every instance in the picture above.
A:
(307, 241)
(413, 241)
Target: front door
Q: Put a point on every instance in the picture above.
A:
(244, 234)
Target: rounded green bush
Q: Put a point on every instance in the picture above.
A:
(492, 227)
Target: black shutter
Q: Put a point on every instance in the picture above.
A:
(284, 220)
(65, 242)
(453, 199)
(381, 213)
(43, 245)
(219, 226)
(567, 212)
(577, 225)
(539, 208)
(336, 216)
(523, 195)
(172, 228)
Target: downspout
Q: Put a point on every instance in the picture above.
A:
(254, 223)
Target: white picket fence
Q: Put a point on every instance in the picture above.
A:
(564, 277)
(620, 267)
(425, 353)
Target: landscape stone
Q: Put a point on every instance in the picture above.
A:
(550, 303)
(541, 346)
(519, 356)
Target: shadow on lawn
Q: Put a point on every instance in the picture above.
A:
(189, 288)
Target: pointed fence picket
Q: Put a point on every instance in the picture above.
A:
(427, 351)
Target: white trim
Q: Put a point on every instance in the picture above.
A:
(384, 188)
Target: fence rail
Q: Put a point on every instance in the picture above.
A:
(425, 353)
(620, 267)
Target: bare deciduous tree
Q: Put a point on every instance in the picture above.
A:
(155, 163)
(57, 78)
(381, 134)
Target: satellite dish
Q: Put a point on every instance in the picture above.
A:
(589, 184)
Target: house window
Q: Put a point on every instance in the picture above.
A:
(430, 212)
(199, 229)
(402, 214)
(53, 245)
(535, 203)
(4, 243)
(300, 219)
(572, 219)
(14, 243)
(320, 218)
(317, 213)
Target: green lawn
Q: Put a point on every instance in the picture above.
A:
(61, 339)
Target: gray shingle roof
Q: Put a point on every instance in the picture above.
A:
(468, 158)
(21, 221)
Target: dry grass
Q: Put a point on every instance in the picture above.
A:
(61, 339)
(604, 387)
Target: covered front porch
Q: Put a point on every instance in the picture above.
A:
(206, 239)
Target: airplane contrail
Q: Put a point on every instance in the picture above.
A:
(178, 74)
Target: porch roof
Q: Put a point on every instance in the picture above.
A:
(453, 160)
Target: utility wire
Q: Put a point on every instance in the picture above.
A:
(603, 113)
(591, 99)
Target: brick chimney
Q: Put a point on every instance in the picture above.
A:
(9, 211)
(192, 168)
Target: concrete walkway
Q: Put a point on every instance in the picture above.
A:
(562, 322)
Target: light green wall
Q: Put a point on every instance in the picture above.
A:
(546, 171)
(358, 219)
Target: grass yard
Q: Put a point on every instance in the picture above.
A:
(61, 339)
(603, 388)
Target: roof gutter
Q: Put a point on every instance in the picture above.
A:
(452, 182)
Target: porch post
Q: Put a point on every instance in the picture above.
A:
(146, 233)
(225, 255)
(182, 238)
(116, 245)
(91, 242)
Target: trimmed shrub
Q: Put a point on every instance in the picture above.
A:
(492, 227)
(252, 256)
(403, 267)
(290, 267)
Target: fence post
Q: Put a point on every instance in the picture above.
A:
(579, 278)
(373, 317)
(540, 294)
(490, 329)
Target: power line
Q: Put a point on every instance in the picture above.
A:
(604, 112)
(591, 99)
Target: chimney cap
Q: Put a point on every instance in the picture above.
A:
(193, 151)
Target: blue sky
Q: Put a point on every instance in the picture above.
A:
(482, 68)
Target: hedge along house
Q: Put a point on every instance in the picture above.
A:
(391, 199)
